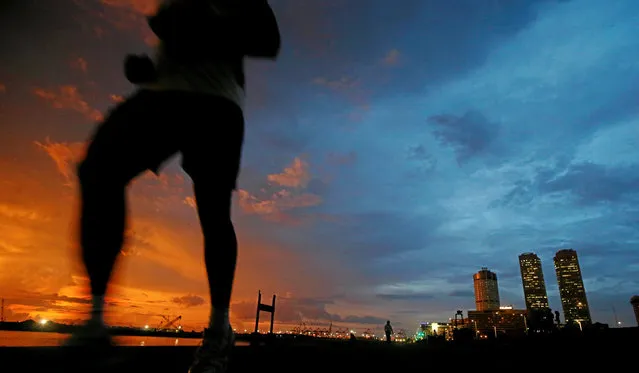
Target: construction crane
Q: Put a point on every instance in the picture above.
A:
(617, 322)
(401, 336)
(368, 333)
(313, 328)
(169, 323)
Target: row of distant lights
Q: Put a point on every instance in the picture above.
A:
(146, 327)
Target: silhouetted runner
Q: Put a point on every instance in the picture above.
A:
(189, 100)
(388, 330)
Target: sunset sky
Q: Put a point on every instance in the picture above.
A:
(390, 153)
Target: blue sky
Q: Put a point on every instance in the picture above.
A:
(498, 129)
(393, 151)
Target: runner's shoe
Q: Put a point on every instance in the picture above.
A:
(90, 335)
(91, 348)
(213, 354)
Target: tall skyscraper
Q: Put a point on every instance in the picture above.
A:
(635, 306)
(532, 278)
(486, 290)
(571, 286)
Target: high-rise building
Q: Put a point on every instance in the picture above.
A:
(532, 278)
(486, 290)
(635, 306)
(571, 287)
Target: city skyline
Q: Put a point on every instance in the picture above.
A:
(486, 295)
(573, 297)
(391, 152)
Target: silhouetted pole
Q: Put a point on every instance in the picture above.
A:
(257, 315)
(272, 314)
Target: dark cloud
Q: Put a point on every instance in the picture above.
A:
(164, 278)
(469, 135)
(45, 302)
(422, 161)
(371, 320)
(591, 183)
(187, 301)
(137, 242)
(11, 316)
(581, 183)
(408, 296)
(298, 310)
(462, 293)
(288, 310)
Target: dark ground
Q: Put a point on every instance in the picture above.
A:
(543, 355)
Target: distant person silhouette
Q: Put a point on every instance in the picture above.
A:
(388, 329)
(190, 101)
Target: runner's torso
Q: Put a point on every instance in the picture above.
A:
(223, 76)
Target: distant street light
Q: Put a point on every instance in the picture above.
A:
(525, 323)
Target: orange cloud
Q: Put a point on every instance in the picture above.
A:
(284, 192)
(21, 213)
(65, 156)
(347, 86)
(33, 244)
(278, 202)
(117, 98)
(190, 201)
(144, 7)
(3, 88)
(81, 64)
(391, 58)
(157, 192)
(69, 98)
(131, 14)
(296, 175)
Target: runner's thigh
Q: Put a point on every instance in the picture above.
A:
(211, 146)
(134, 137)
